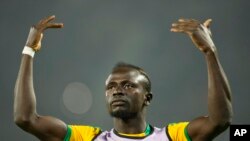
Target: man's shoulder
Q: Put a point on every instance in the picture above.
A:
(81, 132)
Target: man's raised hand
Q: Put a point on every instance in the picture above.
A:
(36, 32)
(199, 33)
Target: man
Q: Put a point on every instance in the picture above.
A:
(128, 93)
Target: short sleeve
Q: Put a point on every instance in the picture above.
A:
(81, 133)
(178, 131)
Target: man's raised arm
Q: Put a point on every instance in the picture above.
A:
(25, 114)
(219, 94)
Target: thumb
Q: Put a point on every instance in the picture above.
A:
(37, 46)
(207, 23)
(41, 37)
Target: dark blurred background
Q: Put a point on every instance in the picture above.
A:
(74, 62)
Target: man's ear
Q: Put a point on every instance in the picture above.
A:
(149, 97)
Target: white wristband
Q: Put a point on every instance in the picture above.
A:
(29, 51)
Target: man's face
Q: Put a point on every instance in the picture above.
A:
(125, 93)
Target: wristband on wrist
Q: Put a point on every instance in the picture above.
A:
(29, 51)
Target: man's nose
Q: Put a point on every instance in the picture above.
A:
(118, 91)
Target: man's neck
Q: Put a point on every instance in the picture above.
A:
(130, 126)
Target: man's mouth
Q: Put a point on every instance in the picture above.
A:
(118, 102)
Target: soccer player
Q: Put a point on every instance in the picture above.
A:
(128, 93)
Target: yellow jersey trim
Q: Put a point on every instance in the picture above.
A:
(81, 133)
(178, 131)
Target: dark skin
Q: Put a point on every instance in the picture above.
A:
(125, 91)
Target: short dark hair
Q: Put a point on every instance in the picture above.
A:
(120, 65)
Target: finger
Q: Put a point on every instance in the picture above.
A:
(182, 22)
(188, 20)
(185, 25)
(41, 37)
(180, 30)
(48, 19)
(175, 30)
(207, 23)
(54, 25)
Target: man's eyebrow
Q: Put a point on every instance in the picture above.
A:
(111, 83)
(126, 81)
(122, 82)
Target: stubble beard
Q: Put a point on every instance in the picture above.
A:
(123, 114)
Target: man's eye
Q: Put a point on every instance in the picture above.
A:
(127, 86)
(110, 87)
